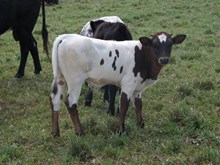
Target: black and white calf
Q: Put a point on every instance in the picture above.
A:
(131, 65)
(108, 31)
(89, 32)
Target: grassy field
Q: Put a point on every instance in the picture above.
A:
(181, 112)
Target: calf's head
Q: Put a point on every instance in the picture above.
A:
(95, 24)
(160, 46)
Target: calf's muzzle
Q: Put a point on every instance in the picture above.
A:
(163, 60)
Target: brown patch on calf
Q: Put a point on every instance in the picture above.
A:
(138, 61)
(145, 64)
(60, 82)
(117, 53)
(102, 62)
(113, 64)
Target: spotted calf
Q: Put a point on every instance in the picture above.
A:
(131, 65)
(108, 31)
(89, 32)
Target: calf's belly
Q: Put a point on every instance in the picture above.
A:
(99, 81)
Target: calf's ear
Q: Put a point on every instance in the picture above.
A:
(178, 39)
(145, 41)
(93, 26)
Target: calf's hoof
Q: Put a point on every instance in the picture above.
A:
(121, 130)
(88, 103)
(80, 133)
(55, 134)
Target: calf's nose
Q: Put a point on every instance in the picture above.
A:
(163, 60)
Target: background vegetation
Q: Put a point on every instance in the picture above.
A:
(181, 111)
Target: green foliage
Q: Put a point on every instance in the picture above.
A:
(80, 149)
(10, 153)
(181, 111)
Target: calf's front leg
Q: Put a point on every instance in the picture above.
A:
(124, 102)
(138, 109)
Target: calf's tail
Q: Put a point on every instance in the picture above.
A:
(44, 32)
(55, 66)
(56, 44)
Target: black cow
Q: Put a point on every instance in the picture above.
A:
(108, 31)
(51, 2)
(20, 16)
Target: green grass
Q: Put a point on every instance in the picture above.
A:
(181, 111)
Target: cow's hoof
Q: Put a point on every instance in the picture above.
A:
(111, 112)
(37, 71)
(141, 124)
(19, 75)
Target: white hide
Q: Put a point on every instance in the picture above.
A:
(76, 59)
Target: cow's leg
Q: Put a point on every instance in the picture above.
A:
(71, 104)
(119, 92)
(137, 101)
(55, 1)
(56, 97)
(124, 103)
(112, 93)
(35, 55)
(27, 43)
(89, 97)
(106, 93)
(24, 54)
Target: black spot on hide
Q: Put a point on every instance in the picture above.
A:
(113, 64)
(55, 89)
(110, 53)
(74, 106)
(102, 62)
(121, 69)
(117, 53)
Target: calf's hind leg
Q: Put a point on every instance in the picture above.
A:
(71, 104)
(89, 97)
(55, 101)
(55, 120)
